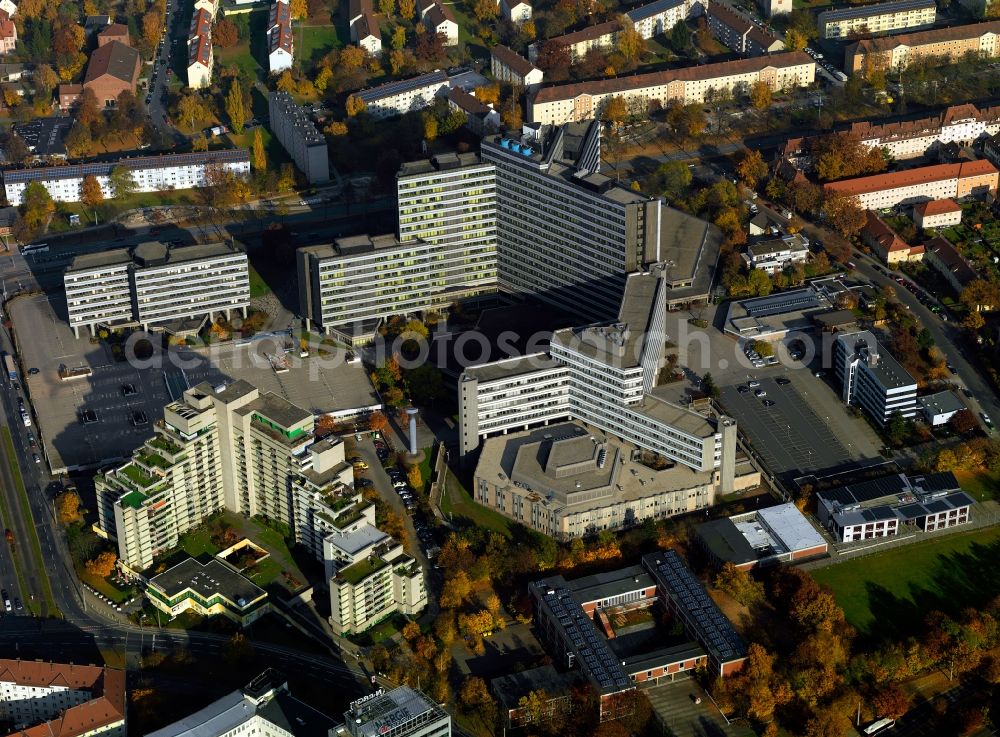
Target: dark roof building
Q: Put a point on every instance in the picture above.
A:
(113, 69)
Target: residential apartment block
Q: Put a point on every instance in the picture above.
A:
(515, 11)
(156, 286)
(396, 98)
(771, 8)
(400, 712)
(878, 18)
(891, 505)
(655, 18)
(39, 698)
(382, 581)
(440, 19)
(910, 186)
(151, 174)
(739, 32)
(943, 257)
(299, 136)
(964, 125)
(776, 255)
(601, 375)
(557, 104)
(480, 118)
(207, 589)
(870, 378)
(510, 67)
(886, 243)
(937, 214)
(896, 52)
(280, 41)
(201, 58)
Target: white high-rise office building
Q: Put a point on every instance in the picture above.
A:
(870, 378)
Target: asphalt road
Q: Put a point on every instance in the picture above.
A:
(947, 336)
(158, 89)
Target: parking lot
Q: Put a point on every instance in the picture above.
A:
(112, 430)
(807, 428)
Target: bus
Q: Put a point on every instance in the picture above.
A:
(9, 367)
(879, 727)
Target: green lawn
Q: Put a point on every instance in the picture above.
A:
(312, 43)
(258, 287)
(8, 521)
(982, 486)
(240, 56)
(103, 586)
(457, 502)
(198, 542)
(265, 572)
(273, 150)
(890, 593)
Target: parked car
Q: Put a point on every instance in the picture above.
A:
(753, 383)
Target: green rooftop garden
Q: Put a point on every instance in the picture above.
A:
(133, 499)
(138, 477)
(350, 516)
(153, 459)
(361, 570)
(164, 444)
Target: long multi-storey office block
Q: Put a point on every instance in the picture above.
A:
(154, 285)
(872, 379)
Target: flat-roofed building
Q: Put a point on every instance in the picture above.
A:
(396, 98)
(297, 134)
(401, 712)
(878, 18)
(780, 534)
(151, 173)
(940, 407)
(510, 67)
(739, 32)
(911, 186)
(264, 706)
(777, 254)
(557, 104)
(207, 589)
(887, 506)
(870, 378)
(898, 51)
(154, 285)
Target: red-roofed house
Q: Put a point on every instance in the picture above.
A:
(944, 257)
(886, 243)
(8, 33)
(113, 32)
(62, 700)
(937, 182)
(440, 19)
(937, 214)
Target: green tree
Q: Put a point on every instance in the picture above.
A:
(760, 283)
(896, 429)
(708, 386)
(680, 37)
(122, 182)
(671, 179)
(236, 106)
(36, 205)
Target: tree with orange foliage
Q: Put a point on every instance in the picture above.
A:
(103, 565)
(68, 508)
(378, 422)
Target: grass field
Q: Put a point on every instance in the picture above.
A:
(457, 502)
(312, 43)
(890, 593)
(982, 486)
(240, 56)
(258, 287)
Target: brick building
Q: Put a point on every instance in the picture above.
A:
(113, 69)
